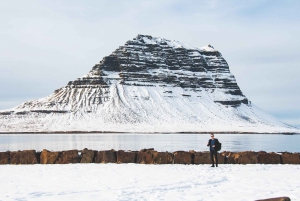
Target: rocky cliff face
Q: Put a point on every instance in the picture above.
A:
(149, 84)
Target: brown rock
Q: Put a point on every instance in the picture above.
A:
(246, 157)
(146, 156)
(268, 158)
(48, 157)
(4, 157)
(126, 157)
(70, 156)
(276, 199)
(87, 156)
(204, 158)
(163, 158)
(23, 157)
(290, 158)
(182, 157)
(108, 156)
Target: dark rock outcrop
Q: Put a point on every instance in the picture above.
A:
(4, 157)
(138, 60)
(23, 157)
(126, 156)
(70, 156)
(87, 156)
(108, 156)
(268, 158)
(48, 157)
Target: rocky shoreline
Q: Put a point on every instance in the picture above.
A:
(144, 156)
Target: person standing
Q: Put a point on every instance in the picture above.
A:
(212, 148)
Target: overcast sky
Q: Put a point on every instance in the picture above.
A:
(45, 44)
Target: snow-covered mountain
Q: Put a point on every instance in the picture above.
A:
(150, 84)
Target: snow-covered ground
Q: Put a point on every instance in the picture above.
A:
(148, 182)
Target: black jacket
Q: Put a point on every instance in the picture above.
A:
(209, 143)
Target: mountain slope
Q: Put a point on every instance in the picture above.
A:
(148, 85)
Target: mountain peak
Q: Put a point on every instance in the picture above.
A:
(147, 39)
(208, 48)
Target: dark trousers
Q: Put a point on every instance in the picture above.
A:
(212, 154)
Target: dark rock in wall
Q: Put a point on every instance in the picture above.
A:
(204, 158)
(87, 156)
(48, 157)
(290, 158)
(70, 156)
(268, 158)
(163, 158)
(4, 157)
(150, 156)
(126, 156)
(108, 156)
(246, 157)
(23, 157)
(146, 156)
(182, 157)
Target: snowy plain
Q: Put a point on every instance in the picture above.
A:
(148, 182)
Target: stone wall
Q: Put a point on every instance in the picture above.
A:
(144, 156)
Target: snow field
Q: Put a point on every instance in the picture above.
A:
(148, 182)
